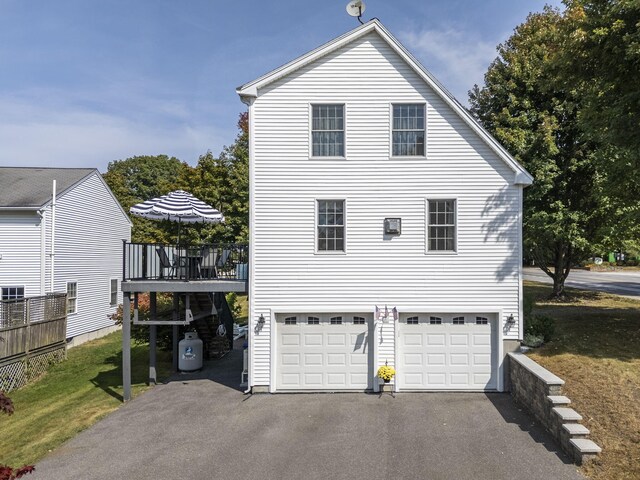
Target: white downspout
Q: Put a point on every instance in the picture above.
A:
(43, 251)
(53, 238)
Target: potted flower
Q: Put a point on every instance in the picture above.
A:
(386, 373)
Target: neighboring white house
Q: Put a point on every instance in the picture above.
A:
(373, 189)
(82, 241)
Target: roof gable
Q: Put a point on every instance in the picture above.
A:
(252, 89)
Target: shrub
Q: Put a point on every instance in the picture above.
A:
(234, 305)
(532, 340)
(540, 326)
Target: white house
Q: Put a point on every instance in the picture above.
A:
(73, 246)
(385, 227)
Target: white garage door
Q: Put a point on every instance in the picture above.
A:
(323, 352)
(447, 352)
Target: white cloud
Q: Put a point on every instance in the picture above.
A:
(51, 130)
(457, 58)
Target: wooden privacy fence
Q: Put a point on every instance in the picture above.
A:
(32, 336)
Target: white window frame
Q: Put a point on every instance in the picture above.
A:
(344, 131)
(111, 292)
(313, 320)
(3, 287)
(456, 319)
(358, 320)
(455, 225)
(391, 105)
(316, 225)
(75, 298)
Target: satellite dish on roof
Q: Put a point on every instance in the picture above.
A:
(356, 8)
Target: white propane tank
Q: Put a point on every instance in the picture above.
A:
(190, 353)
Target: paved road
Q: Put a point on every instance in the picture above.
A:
(620, 283)
(201, 427)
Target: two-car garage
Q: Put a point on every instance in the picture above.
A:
(432, 351)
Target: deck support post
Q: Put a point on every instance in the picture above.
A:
(126, 347)
(176, 306)
(153, 339)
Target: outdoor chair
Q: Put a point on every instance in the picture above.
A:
(223, 264)
(165, 263)
(208, 262)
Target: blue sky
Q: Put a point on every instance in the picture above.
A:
(85, 82)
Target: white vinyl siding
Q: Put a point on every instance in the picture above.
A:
(369, 77)
(20, 241)
(90, 227)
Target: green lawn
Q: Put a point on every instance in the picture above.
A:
(72, 396)
(596, 350)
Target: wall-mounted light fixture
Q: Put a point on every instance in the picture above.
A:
(511, 320)
(259, 324)
(393, 226)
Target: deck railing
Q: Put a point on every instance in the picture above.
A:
(31, 324)
(161, 261)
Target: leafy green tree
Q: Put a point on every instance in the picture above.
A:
(535, 117)
(223, 182)
(141, 178)
(601, 61)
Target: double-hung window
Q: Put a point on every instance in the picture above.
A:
(72, 297)
(113, 292)
(327, 130)
(408, 130)
(12, 293)
(330, 225)
(442, 225)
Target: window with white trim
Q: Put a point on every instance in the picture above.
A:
(359, 320)
(408, 130)
(12, 293)
(113, 292)
(435, 320)
(412, 321)
(482, 320)
(331, 225)
(72, 297)
(442, 226)
(290, 321)
(327, 130)
(313, 321)
(458, 320)
(336, 321)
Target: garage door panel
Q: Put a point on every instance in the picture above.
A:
(436, 339)
(339, 359)
(291, 359)
(290, 339)
(310, 359)
(312, 339)
(456, 356)
(337, 340)
(323, 355)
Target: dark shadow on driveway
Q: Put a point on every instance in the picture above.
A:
(513, 413)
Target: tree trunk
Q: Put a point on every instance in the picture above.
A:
(557, 267)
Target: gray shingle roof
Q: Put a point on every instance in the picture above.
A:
(26, 187)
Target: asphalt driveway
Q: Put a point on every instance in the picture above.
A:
(200, 426)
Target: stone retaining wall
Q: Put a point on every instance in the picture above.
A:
(540, 392)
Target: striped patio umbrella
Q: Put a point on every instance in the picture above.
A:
(178, 206)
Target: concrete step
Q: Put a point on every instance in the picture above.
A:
(584, 446)
(567, 414)
(576, 430)
(559, 400)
